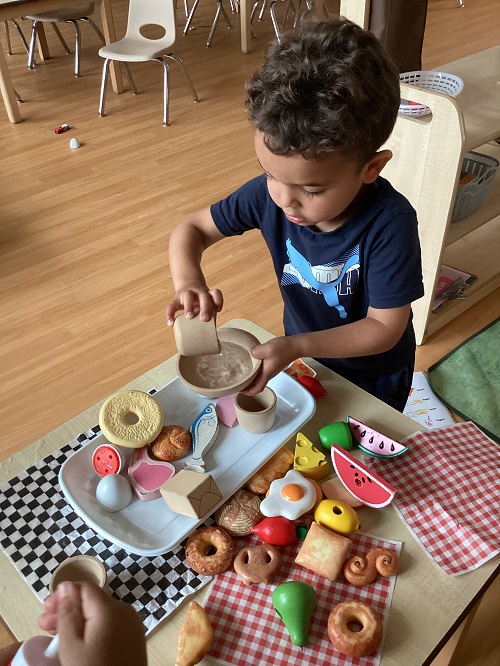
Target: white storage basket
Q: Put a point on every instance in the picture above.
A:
(440, 82)
(471, 195)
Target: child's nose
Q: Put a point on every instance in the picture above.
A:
(288, 197)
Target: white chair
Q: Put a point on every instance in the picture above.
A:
(135, 47)
(220, 10)
(8, 46)
(63, 15)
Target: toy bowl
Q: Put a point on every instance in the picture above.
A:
(217, 375)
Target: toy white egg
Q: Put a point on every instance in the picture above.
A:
(113, 492)
(290, 497)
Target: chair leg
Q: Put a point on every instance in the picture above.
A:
(275, 21)
(93, 24)
(165, 89)
(78, 46)
(21, 36)
(172, 56)
(104, 82)
(220, 9)
(61, 38)
(130, 79)
(190, 17)
(262, 10)
(8, 45)
(18, 96)
(31, 53)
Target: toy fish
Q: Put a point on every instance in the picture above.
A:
(204, 431)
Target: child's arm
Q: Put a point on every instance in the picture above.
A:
(187, 243)
(378, 332)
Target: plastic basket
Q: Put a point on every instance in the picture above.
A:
(471, 195)
(440, 82)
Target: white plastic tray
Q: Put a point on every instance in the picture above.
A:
(151, 528)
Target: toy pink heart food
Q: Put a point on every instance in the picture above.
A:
(226, 411)
(147, 475)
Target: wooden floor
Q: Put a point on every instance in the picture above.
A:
(84, 233)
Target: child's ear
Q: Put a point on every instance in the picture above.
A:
(373, 167)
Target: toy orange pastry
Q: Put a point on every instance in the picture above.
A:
(196, 636)
(209, 551)
(354, 643)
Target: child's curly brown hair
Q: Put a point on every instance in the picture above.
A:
(332, 87)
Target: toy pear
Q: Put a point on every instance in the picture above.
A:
(294, 601)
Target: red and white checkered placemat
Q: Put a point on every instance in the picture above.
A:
(449, 494)
(248, 631)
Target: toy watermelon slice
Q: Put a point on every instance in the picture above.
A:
(367, 486)
(373, 443)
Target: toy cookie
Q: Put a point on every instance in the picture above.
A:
(131, 419)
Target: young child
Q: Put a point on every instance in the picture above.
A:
(344, 243)
(94, 628)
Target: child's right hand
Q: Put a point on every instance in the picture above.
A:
(93, 627)
(194, 299)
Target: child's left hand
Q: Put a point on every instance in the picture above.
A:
(276, 354)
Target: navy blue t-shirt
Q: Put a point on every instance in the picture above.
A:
(328, 279)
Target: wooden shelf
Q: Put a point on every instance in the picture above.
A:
(474, 254)
(480, 99)
(428, 152)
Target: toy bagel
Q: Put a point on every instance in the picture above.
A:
(131, 419)
(354, 643)
(209, 551)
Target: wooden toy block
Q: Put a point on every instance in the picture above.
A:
(308, 460)
(191, 493)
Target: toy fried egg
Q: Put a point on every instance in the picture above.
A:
(290, 497)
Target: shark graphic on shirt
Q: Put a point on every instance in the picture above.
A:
(331, 280)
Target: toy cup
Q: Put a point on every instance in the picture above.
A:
(256, 413)
(336, 433)
(80, 569)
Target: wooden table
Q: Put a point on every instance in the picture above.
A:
(427, 605)
(12, 9)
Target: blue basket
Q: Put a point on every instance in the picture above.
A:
(471, 195)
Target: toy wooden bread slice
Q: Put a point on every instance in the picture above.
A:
(196, 636)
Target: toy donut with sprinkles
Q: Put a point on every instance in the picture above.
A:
(209, 551)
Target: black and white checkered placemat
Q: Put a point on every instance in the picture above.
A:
(39, 529)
